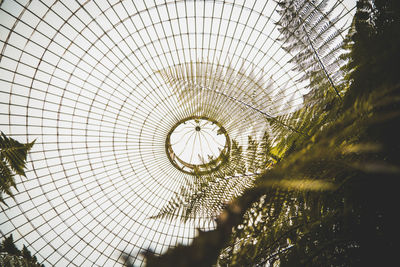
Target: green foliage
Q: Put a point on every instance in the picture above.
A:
(374, 42)
(331, 198)
(338, 208)
(11, 256)
(13, 156)
(350, 224)
(347, 217)
(293, 131)
(309, 34)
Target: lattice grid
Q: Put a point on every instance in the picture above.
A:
(89, 81)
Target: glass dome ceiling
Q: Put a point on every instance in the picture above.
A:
(103, 87)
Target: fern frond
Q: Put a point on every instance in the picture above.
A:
(309, 34)
(13, 155)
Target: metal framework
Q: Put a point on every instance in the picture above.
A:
(197, 145)
(98, 84)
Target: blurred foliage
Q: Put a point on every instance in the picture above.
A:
(330, 200)
(373, 44)
(11, 256)
(13, 156)
(347, 216)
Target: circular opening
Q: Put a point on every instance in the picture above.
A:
(197, 145)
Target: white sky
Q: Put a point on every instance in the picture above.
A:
(79, 77)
